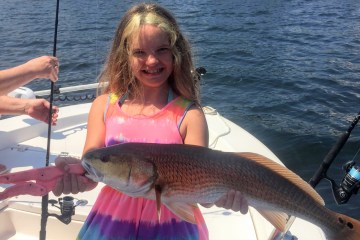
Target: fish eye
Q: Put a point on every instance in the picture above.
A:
(105, 158)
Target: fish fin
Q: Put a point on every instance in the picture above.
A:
(290, 221)
(277, 219)
(185, 211)
(285, 172)
(158, 201)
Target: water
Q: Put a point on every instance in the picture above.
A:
(285, 70)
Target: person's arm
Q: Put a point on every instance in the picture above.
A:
(95, 138)
(35, 108)
(41, 67)
(195, 131)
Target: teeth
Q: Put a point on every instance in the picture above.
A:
(153, 71)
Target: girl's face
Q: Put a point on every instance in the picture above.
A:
(151, 58)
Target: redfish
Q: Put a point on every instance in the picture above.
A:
(180, 175)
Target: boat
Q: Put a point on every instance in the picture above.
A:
(23, 143)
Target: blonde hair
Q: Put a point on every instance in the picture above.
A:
(117, 71)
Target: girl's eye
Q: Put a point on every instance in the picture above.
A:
(164, 50)
(138, 53)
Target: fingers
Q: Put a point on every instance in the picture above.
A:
(44, 67)
(233, 200)
(54, 69)
(54, 75)
(54, 116)
(82, 184)
(86, 184)
(63, 161)
(240, 203)
(68, 184)
(71, 183)
(58, 190)
(226, 201)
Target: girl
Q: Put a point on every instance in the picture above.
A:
(152, 96)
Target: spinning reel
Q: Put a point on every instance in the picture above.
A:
(349, 185)
(67, 208)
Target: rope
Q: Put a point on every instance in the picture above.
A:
(211, 111)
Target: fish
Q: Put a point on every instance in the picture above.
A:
(181, 175)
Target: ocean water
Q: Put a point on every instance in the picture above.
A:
(285, 70)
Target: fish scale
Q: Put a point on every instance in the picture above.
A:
(180, 173)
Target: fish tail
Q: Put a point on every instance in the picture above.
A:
(350, 228)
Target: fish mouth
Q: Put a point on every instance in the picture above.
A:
(91, 172)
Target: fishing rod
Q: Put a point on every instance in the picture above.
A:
(351, 182)
(45, 199)
(66, 204)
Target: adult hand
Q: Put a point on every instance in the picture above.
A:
(44, 67)
(39, 109)
(71, 183)
(233, 200)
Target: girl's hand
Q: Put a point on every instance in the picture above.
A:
(233, 200)
(71, 183)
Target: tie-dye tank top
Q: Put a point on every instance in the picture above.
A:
(118, 216)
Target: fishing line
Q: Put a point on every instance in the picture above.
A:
(356, 154)
(45, 199)
(358, 151)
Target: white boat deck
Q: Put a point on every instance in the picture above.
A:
(23, 144)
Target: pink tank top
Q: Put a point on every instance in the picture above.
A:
(162, 127)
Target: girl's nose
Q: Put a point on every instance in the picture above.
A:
(152, 59)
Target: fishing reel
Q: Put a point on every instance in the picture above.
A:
(349, 185)
(67, 208)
